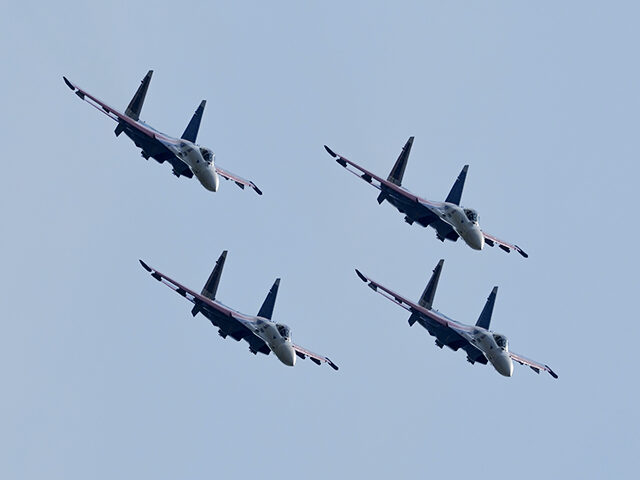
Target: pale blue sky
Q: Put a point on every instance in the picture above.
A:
(106, 374)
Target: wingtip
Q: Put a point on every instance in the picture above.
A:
(332, 365)
(362, 277)
(255, 187)
(522, 252)
(145, 266)
(331, 152)
(69, 84)
(551, 372)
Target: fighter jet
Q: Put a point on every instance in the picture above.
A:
(448, 218)
(187, 158)
(260, 332)
(481, 344)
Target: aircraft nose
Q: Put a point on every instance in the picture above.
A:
(288, 355)
(211, 181)
(504, 366)
(476, 239)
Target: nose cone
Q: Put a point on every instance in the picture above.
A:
(287, 355)
(210, 181)
(504, 365)
(475, 239)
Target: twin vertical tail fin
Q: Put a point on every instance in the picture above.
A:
(191, 132)
(135, 105)
(397, 172)
(211, 287)
(266, 310)
(485, 316)
(426, 299)
(455, 195)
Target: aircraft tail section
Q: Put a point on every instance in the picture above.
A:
(485, 316)
(397, 172)
(266, 310)
(455, 195)
(426, 300)
(191, 132)
(135, 105)
(211, 287)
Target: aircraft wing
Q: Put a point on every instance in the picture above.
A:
(241, 182)
(229, 321)
(462, 330)
(155, 143)
(115, 114)
(507, 247)
(378, 182)
(315, 358)
(535, 366)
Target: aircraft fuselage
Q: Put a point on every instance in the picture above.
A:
(485, 341)
(277, 338)
(468, 229)
(204, 169)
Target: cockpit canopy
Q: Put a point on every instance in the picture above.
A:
(471, 214)
(501, 341)
(283, 330)
(206, 154)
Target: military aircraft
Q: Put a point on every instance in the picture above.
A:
(187, 158)
(260, 332)
(448, 218)
(481, 344)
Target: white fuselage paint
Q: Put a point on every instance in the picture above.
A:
(204, 171)
(484, 341)
(279, 345)
(468, 230)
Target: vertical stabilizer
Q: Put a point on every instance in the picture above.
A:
(397, 172)
(485, 317)
(426, 300)
(211, 287)
(266, 310)
(455, 195)
(191, 132)
(135, 105)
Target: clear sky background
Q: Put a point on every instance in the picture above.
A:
(106, 374)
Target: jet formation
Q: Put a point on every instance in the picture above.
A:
(263, 335)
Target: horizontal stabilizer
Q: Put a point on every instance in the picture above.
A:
(455, 195)
(266, 310)
(135, 105)
(426, 300)
(485, 317)
(191, 132)
(397, 172)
